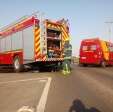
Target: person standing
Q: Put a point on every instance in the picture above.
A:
(67, 58)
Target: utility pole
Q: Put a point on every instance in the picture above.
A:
(109, 23)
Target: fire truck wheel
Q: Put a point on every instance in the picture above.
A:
(103, 64)
(17, 65)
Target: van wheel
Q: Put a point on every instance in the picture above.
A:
(80, 64)
(85, 65)
(18, 67)
(103, 64)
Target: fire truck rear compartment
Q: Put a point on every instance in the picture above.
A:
(53, 43)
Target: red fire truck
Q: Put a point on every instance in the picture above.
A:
(33, 41)
(96, 51)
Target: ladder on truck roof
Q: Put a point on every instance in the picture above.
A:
(43, 34)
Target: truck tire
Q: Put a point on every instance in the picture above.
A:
(103, 64)
(18, 67)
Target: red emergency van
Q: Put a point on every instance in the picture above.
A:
(96, 51)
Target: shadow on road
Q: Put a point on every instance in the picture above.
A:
(6, 70)
(41, 70)
(78, 106)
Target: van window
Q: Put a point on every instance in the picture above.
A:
(89, 48)
(93, 47)
(84, 48)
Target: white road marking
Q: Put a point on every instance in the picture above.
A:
(42, 80)
(42, 102)
(41, 105)
(43, 99)
(34, 79)
(26, 109)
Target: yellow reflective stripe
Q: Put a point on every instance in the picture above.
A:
(37, 42)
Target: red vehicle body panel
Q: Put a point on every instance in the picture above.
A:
(8, 56)
(20, 26)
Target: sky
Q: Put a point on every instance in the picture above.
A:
(87, 18)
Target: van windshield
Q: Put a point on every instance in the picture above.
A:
(89, 47)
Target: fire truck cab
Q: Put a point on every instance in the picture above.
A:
(96, 51)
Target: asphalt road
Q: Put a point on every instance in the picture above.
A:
(87, 89)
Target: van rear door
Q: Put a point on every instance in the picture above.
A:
(89, 53)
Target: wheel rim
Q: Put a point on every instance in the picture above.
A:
(17, 64)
